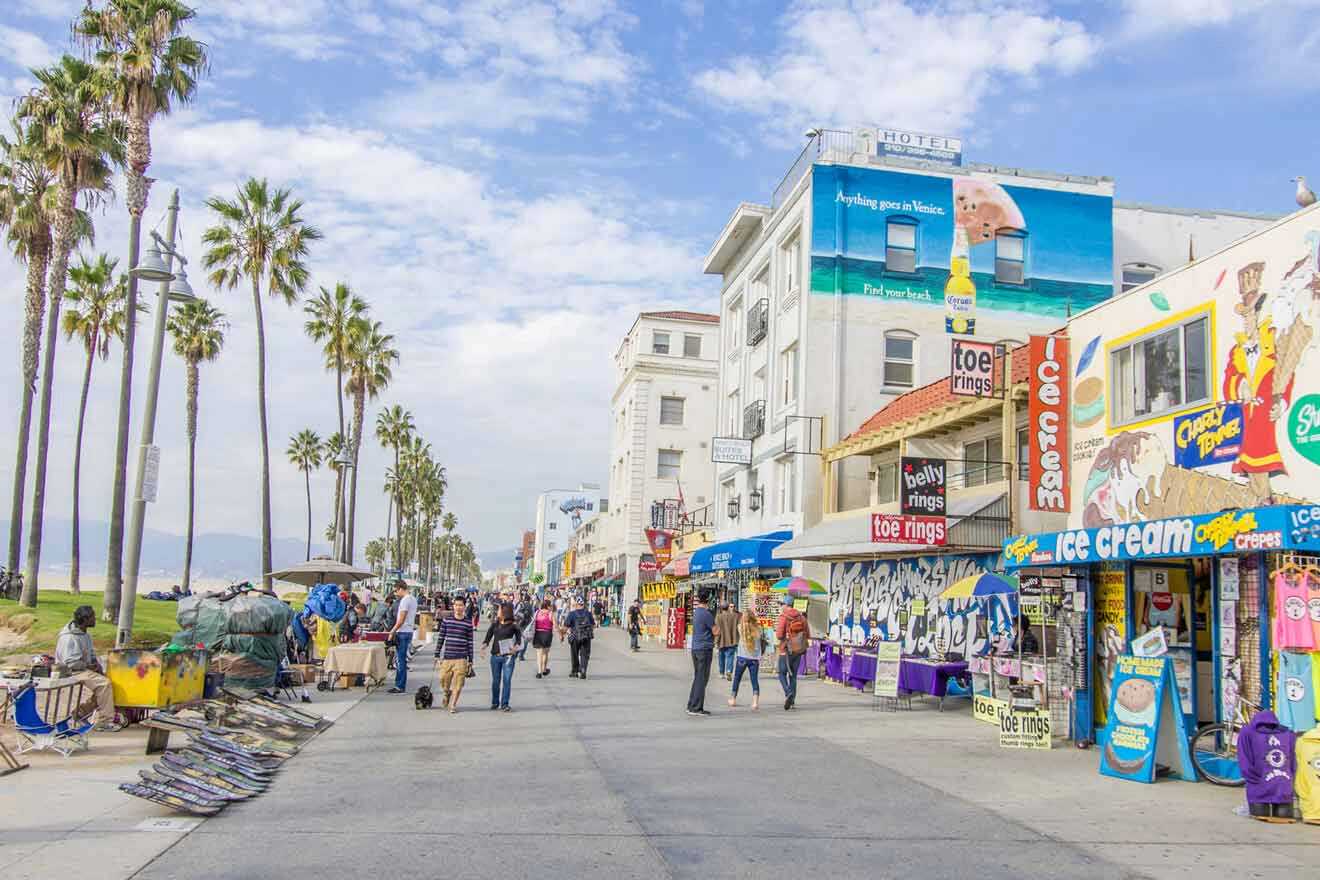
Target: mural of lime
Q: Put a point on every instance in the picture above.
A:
(1088, 402)
(1304, 427)
(1159, 301)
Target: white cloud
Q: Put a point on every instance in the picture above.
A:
(23, 48)
(836, 62)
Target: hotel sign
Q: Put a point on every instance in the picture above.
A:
(915, 145)
(730, 450)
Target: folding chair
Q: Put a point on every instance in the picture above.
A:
(64, 735)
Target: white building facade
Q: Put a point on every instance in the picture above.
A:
(842, 296)
(662, 421)
(559, 512)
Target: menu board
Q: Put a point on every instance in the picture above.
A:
(757, 596)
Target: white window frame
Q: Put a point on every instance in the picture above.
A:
(661, 468)
(734, 423)
(1128, 374)
(790, 265)
(977, 471)
(1142, 273)
(1018, 263)
(909, 336)
(656, 336)
(786, 476)
(886, 475)
(788, 376)
(682, 406)
(901, 222)
(735, 325)
(760, 289)
(689, 337)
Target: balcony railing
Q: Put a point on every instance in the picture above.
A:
(754, 420)
(671, 515)
(824, 141)
(758, 321)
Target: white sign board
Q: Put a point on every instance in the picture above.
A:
(730, 450)
(150, 472)
(972, 371)
(915, 145)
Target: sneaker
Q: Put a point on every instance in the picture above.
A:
(453, 710)
(505, 709)
(788, 703)
(547, 671)
(394, 691)
(538, 675)
(582, 675)
(494, 706)
(703, 712)
(693, 712)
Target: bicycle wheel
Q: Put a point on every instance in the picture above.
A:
(1215, 755)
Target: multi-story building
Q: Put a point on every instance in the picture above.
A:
(662, 421)
(558, 513)
(523, 556)
(846, 290)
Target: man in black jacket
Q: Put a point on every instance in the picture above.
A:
(581, 629)
(634, 624)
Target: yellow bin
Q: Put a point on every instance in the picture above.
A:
(152, 680)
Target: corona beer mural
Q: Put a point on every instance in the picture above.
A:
(1208, 397)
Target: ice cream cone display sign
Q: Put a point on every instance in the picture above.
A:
(1047, 424)
(1145, 725)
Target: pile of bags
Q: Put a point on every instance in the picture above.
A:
(242, 629)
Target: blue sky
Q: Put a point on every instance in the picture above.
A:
(508, 183)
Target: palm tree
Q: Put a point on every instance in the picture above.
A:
(27, 212)
(198, 329)
(334, 448)
(332, 319)
(449, 523)
(371, 355)
(78, 143)
(305, 453)
(152, 65)
(96, 317)
(375, 552)
(394, 428)
(261, 237)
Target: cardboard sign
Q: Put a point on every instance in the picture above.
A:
(972, 369)
(889, 656)
(921, 486)
(1047, 424)
(895, 528)
(1025, 730)
(986, 708)
(1151, 644)
(1145, 722)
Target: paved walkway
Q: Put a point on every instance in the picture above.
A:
(610, 778)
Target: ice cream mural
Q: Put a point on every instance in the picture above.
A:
(1209, 397)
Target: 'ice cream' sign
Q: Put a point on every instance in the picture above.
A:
(1047, 424)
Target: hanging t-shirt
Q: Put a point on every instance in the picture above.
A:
(1296, 691)
(1292, 618)
(1313, 606)
(1315, 684)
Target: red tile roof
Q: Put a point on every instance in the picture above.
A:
(684, 316)
(932, 397)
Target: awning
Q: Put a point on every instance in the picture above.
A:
(754, 552)
(977, 522)
(679, 567)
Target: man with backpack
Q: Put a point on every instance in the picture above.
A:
(792, 633)
(634, 625)
(581, 627)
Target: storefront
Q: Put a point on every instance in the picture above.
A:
(727, 570)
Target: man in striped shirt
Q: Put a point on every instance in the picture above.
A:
(453, 648)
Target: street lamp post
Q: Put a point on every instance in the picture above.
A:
(345, 464)
(152, 267)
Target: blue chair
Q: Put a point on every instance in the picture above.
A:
(36, 733)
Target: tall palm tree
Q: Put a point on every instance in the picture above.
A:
(449, 523)
(79, 143)
(333, 450)
(198, 329)
(394, 428)
(375, 553)
(96, 317)
(261, 237)
(27, 212)
(305, 453)
(153, 66)
(332, 319)
(371, 356)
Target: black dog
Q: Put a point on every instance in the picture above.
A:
(423, 698)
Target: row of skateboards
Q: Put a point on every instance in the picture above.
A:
(233, 752)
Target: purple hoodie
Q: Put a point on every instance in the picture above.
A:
(1267, 756)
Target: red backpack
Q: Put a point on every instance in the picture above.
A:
(796, 633)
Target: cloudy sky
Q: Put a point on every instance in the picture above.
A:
(508, 183)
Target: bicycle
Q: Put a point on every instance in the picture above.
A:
(1214, 748)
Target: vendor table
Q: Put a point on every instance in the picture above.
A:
(861, 669)
(833, 662)
(361, 658)
(928, 676)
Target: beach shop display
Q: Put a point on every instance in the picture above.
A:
(1145, 722)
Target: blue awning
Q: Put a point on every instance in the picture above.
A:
(754, 552)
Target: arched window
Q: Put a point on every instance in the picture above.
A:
(1010, 256)
(1137, 274)
(901, 245)
(900, 369)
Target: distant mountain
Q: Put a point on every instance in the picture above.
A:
(215, 555)
(493, 560)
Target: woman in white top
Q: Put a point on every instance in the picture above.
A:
(751, 644)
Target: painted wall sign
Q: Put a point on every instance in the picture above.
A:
(1208, 436)
(1047, 424)
(1284, 527)
(915, 145)
(1304, 427)
(897, 528)
(921, 486)
(1145, 723)
(972, 368)
(730, 450)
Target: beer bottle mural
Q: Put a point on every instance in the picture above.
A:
(960, 289)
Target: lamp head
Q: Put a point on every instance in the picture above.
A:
(152, 266)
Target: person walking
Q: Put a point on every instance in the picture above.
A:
(703, 650)
(726, 639)
(751, 645)
(523, 617)
(453, 649)
(634, 625)
(792, 633)
(405, 622)
(543, 637)
(503, 639)
(581, 628)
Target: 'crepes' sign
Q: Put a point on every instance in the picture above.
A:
(1047, 423)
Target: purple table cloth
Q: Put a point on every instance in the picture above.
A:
(925, 677)
(833, 663)
(861, 670)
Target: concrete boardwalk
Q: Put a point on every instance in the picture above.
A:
(610, 778)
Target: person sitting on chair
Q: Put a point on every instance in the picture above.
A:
(75, 658)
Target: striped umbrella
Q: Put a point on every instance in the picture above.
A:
(798, 586)
(985, 584)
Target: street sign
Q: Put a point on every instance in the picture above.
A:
(730, 450)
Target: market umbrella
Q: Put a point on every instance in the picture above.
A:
(322, 570)
(798, 586)
(985, 584)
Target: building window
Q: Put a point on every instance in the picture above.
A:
(787, 477)
(1024, 452)
(552, 526)
(734, 424)
(691, 345)
(886, 483)
(791, 262)
(660, 343)
(670, 464)
(900, 359)
(901, 245)
(788, 375)
(553, 545)
(982, 461)
(761, 286)
(1137, 274)
(671, 411)
(1162, 371)
(1011, 257)
(735, 322)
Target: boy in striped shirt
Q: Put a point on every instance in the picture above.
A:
(453, 648)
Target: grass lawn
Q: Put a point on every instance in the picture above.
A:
(153, 622)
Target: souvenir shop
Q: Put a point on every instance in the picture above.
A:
(734, 571)
(1232, 599)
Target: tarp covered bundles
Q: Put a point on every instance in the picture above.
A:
(245, 635)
